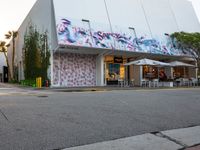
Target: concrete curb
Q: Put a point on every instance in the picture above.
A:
(91, 89)
(177, 139)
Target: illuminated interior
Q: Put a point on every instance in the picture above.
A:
(114, 70)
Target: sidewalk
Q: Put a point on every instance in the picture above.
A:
(177, 139)
(110, 88)
(87, 89)
(9, 85)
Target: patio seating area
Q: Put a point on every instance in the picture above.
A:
(186, 82)
(126, 83)
(155, 83)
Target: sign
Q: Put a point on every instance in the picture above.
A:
(118, 60)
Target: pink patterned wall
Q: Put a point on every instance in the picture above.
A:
(76, 70)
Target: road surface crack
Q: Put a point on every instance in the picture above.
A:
(159, 134)
(4, 115)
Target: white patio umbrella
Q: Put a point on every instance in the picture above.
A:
(181, 64)
(148, 62)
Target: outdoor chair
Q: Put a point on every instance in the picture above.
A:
(178, 82)
(126, 83)
(194, 82)
(132, 82)
(155, 83)
(185, 82)
(120, 82)
(145, 83)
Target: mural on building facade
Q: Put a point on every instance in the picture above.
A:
(70, 33)
(73, 70)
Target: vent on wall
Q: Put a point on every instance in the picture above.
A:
(69, 47)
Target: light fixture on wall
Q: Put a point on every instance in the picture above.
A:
(168, 35)
(131, 28)
(88, 22)
(84, 20)
(134, 32)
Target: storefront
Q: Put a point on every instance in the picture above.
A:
(114, 69)
(89, 47)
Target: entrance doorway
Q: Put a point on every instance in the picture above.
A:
(114, 69)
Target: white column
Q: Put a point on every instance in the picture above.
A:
(59, 70)
(51, 63)
(169, 72)
(100, 71)
(141, 74)
(196, 73)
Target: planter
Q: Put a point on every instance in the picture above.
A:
(166, 84)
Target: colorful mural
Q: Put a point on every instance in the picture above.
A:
(74, 70)
(75, 34)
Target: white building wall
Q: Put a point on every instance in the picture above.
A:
(162, 16)
(185, 16)
(159, 16)
(2, 62)
(92, 10)
(40, 16)
(128, 13)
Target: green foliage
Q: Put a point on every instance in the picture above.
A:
(189, 42)
(30, 82)
(35, 54)
(12, 35)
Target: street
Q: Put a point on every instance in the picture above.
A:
(47, 119)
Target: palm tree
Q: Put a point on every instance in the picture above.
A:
(12, 35)
(4, 49)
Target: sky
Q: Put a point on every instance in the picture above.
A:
(13, 12)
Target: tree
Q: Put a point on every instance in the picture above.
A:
(188, 42)
(35, 54)
(12, 35)
(3, 49)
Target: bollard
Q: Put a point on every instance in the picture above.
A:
(40, 82)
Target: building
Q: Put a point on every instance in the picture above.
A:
(2, 65)
(90, 40)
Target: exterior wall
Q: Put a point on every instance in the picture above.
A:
(2, 62)
(40, 16)
(151, 20)
(74, 70)
(160, 17)
(185, 16)
(128, 13)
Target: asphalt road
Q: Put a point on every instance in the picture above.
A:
(47, 120)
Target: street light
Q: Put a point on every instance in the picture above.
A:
(88, 22)
(170, 39)
(131, 28)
